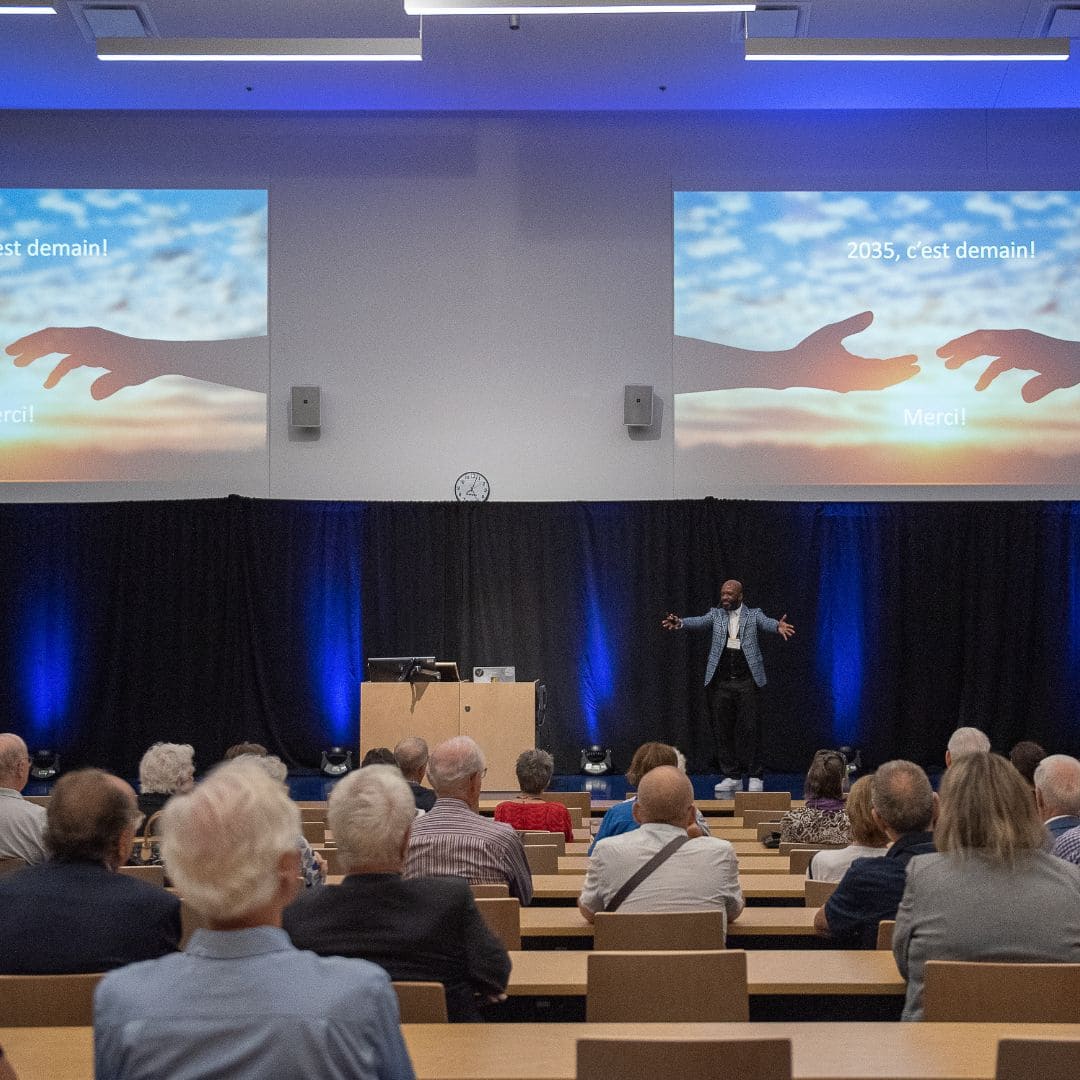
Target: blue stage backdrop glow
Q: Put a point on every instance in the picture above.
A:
(47, 668)
(841, 622)
(597, 680)
(335, 636)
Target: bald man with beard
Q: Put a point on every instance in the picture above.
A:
(701, 874)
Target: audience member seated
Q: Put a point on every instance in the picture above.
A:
(528, 810)
(1057, 793)
(904, 805)
(22, 823)
(453, 839)
(620, 818)
(379, 755)
(992, 892)
(421, 930)
(242, 1002)
(701, 874)
(312, 864)
(242, 748)
(75, 912)
(1025, 756)
(411, 756)
(165, 769)
(823, 819)
(965, 740)
(869, 841)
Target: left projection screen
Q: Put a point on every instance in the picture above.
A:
(134, 357)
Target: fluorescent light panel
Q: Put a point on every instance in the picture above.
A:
(567, 7)
(259, 50)
(27, 9)
(907, 49)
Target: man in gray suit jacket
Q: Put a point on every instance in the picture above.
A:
(734, 676)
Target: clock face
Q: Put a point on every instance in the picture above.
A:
(472, 487)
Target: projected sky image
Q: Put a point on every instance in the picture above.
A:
(877, 338)
(133, 335)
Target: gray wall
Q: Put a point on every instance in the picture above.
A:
(472, 291)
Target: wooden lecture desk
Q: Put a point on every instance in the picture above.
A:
(755, 886)
(539, 922)
(562, 973)
(820, 1051)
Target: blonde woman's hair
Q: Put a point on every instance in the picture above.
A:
(987, 808)
(864, 829)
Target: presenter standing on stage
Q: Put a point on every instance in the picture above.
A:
(734, 676)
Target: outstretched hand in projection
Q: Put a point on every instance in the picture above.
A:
(1056, 361)
(820, 361)
(239, 362)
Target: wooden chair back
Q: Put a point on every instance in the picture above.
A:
(815, 893)
(313, 813)
(689, 1059)
(957, 990)
(788, 846)
(641, 930)
(314, 831)
(47, 1000)
(489, 891)
(751, 819)
(421, 1002)
(503, 916)
(542, 858)
(761, 800)
(799, 859)
(152, 875)
(334, 865)
(1046, 1059)
(556, 840)
(581, 799)
(683, 986)
(765, 829)
(885, 930)
(11, 866)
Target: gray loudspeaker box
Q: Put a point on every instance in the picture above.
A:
(637, 406)
(304, 411)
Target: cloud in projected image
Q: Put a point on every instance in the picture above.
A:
(756, 273)
(154, 266)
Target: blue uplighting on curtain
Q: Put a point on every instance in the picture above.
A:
(841, 625)
(47, 665)
(597, 677)
(335, 638)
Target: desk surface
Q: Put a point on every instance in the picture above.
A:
(834, 1051)
(563, 973)
(754, 921)
(567, 886)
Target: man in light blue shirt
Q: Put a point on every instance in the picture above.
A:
(242, 1003)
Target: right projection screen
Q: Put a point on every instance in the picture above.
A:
(879, 339)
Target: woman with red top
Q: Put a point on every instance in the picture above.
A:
(528, 810)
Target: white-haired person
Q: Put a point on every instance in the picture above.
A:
(965, 740)
(453, 839)
(242, 1002)
(165, 769)
(419, 930)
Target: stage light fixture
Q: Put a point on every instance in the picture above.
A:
(906, 49)
(336, 761)
(44, 764)
(595, 760)
(260, 50)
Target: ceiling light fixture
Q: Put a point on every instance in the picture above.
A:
(568, 7)
(259, 50)
(28, 7)
(906, 49)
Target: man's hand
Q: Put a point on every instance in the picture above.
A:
(784, 628)
(671, 622)
(1057, 361)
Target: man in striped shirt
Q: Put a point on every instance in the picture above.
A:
(452, 839)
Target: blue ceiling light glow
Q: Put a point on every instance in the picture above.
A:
(841, 624)
(597, 676)
(47, 662)
(336, 644)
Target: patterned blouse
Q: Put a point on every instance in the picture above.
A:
(811, 825)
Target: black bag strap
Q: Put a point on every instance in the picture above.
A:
(643, 872)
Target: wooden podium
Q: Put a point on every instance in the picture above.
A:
(501, 717)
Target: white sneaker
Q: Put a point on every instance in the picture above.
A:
(727, 787)
(755, 784)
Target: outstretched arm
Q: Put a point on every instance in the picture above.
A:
(820, 361)
(239, 362)
(1056, 361)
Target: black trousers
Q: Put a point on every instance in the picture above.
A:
(735, 719)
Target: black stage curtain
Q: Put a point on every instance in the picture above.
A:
(212, 621)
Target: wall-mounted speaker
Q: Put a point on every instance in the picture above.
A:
(304, 407)
(637, 406)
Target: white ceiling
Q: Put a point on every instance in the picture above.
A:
(551, 62)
